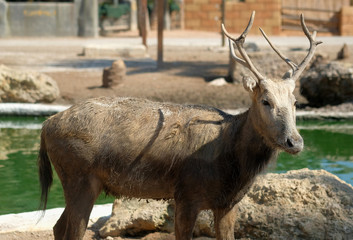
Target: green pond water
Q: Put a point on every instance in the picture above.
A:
(328, 145)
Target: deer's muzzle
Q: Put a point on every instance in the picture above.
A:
(293, 145)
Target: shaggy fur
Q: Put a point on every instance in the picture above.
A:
(202, 157)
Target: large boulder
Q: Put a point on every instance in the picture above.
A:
(302, 204)
(133, 216)
(26, 87)
(328, 83)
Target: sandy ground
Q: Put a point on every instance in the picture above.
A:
(191, 61)
(184, 78)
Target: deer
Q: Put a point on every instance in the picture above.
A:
(200, 156)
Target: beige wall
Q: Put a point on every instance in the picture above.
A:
(206, 15)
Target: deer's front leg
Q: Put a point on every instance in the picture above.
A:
(224, 223)
(185, 218)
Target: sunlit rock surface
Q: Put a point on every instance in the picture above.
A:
(301, 204)
(26, 87)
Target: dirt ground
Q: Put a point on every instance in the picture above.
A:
(184, 78)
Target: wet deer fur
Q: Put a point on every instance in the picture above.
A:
(201, 156)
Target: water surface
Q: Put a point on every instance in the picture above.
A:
(327, 145)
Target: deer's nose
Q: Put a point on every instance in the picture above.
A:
(294, 145)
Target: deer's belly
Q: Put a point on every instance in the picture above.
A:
(142, 188)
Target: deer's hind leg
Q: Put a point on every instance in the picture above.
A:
(80, 195)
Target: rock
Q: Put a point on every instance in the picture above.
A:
(343, 53)
(205, 224)
(158, 236)
(330, 83)
(133, 216)
(26, 87)
(301, 204)
(114, 75)
(218, 82)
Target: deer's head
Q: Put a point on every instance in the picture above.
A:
(273, 103)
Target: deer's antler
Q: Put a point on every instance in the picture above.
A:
(297, 69)
(287, 60)
(239, 42)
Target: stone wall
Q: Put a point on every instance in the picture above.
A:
(202, 14)
(268, 16)
(41, 19)
(346, 25)
(206, 15)
(49, 19)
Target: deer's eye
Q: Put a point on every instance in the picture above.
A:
(265, 103)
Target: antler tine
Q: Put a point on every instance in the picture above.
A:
(287, 60)
(231, 48)
(232, 53)
(244, 34)
(247, 29)
(312, 48)
(239, 42)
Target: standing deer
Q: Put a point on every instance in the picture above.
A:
(202, 157)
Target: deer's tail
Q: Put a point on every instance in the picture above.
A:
(45, 174)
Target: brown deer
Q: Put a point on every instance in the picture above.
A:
(201, 156)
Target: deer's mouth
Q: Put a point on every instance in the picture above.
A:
(292, 145)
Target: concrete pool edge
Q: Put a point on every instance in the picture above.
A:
(30, 109)
(32, 221)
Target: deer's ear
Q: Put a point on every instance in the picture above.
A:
(249, 83)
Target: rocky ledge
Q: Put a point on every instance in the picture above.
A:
(301, 204)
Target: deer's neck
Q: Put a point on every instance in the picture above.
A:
(248, 157)
(247, 146)
(251, 146)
